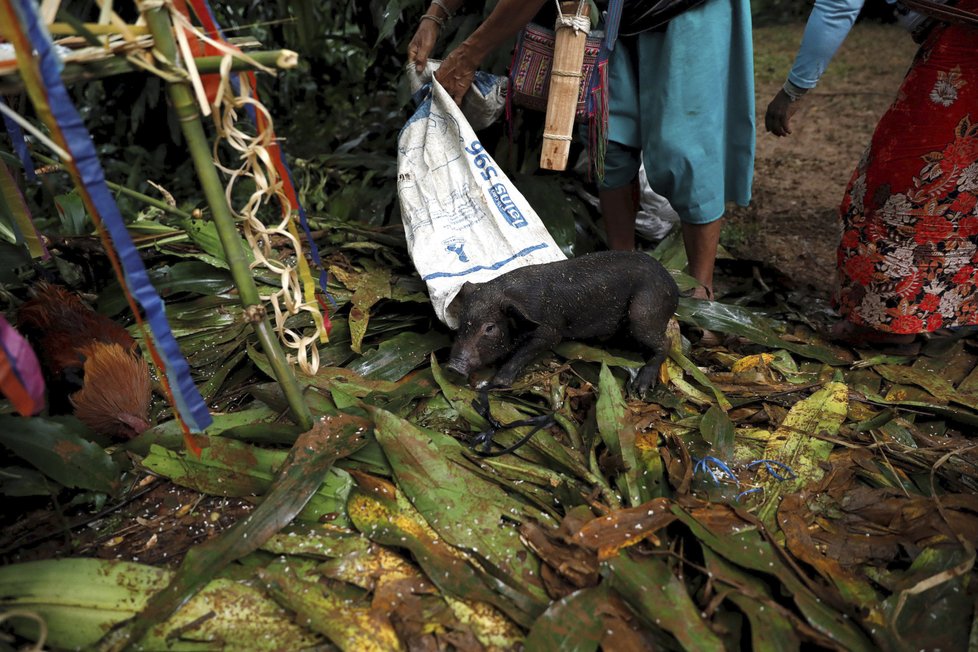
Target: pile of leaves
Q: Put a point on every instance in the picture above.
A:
(773, 491)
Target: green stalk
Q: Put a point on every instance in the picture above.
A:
(151, 201)
(184, 103)
(122, 190)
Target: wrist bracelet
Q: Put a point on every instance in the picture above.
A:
(441, 3)
(438, 21)
(793, 91)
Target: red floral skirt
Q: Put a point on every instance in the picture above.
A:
(908, 260)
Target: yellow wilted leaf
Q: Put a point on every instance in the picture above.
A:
(799, 443)
(761, 360)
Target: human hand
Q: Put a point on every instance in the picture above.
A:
(777, 119)
(457, 72)
(422, 44)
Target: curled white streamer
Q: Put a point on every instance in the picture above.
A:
(254, 162)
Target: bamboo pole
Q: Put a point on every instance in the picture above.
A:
(565, 89)
(75, 72)
(182, 98)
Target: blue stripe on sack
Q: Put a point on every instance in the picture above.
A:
(479, 268)
(189, 402)
(19, 144)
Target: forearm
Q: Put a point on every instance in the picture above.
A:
(503, 23)
(444, 9)
(827, 28)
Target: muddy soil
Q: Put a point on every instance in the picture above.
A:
(799, 180)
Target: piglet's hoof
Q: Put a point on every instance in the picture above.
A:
(487, 384)
(636, 392)
(643, 381)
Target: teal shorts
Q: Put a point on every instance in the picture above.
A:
(683, 99)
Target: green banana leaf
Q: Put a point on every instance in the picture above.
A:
(467, 511)
(399, 355)
(737, 320)
(298, 479)
(79, 599)
(571, 624)
(660, 599)
(772, 626)
(58, 447)
(619, 436)
(799, 443)
(385, 516)
(232, 468)
(351, 627)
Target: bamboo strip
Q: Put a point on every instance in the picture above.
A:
(74, 72)
(105, 11)
(195, 81)
(66, 29)
(108, 17)
(49, 10)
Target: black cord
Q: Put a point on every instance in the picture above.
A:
(484, 438)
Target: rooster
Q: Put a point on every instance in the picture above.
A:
(93, 365)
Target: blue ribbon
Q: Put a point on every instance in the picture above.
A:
(189, 402)
(19, 143)
(313, 249)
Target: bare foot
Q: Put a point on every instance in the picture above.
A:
(860, 337)
(702, 293)
(846, 331)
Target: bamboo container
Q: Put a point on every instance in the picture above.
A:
(565, 89)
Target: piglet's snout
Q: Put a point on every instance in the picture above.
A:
(460, 364)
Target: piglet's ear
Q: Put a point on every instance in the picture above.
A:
(465, 290)
(516, 312)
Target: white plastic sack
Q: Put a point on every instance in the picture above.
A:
(464, 220)
(482, 105)
(656, 216)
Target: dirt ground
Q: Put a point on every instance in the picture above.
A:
(799, 180)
